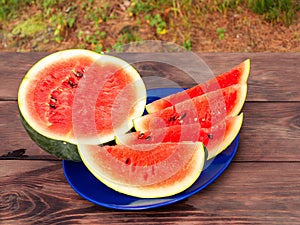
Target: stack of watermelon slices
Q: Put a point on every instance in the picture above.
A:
(207, 112)
(166, 153)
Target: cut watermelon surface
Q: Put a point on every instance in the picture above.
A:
(237, 75)
(206, 110)
(78, 96)
(74, 100)
(147, 171)
(166, 153)
(216, 138)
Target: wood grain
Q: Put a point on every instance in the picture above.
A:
(270, 131)
(33, 192)
(13, 136)
(261, 185)
(277, 73)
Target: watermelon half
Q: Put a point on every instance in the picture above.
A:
(77, 96)
(237, 75)
(146, 171)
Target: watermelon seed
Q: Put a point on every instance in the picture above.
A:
(72, 84)
(52, 106)
(148, 138)
(53, 99)
(145, 136)
(183, 116)
(78, 74)
(141, 135)
(173, 118)
(210, 136)
(127, 161)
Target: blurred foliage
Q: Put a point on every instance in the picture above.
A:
(89, 22)
(276, 10)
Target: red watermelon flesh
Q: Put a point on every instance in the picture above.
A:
(207, 110)
(237, 75)
(139, 165)
(58, 112)
(54, 108)
(146, 171)
(215, 138)
(79, 95)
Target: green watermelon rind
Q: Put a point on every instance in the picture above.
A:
(62, 146)
(227, 140)
(66, 55)
(58, 148)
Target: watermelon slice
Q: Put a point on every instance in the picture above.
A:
(206, 110)
(146, 171)
(237, 75)
(216, 138)
(77, 96)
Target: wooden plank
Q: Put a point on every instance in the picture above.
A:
(246, 193)
(14, 141)
(272, 74)
(270, 131)
(13, 67)
(276, 72)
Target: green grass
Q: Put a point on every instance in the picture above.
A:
(30, 27)
(276, 10)
(9, 8)
(58, 19)
(221, 32)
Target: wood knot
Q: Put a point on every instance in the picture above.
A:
(9, 201)
(296, 122)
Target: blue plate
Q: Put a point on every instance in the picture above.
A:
(87, 186)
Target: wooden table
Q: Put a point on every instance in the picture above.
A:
(261, 185)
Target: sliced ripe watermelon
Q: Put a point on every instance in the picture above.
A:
(207, 110)
(237, 75)
(146, 171)
(78, 95)
(216, 138)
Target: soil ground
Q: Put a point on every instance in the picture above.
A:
(233, 30)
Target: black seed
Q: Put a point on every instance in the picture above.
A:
(72, 84)
(141, 135)
(173, 118)
(148, 138)
(183, 116)
(53, 99)
(78, 74)
(52, 106)
(210, 136)
(127, 161)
